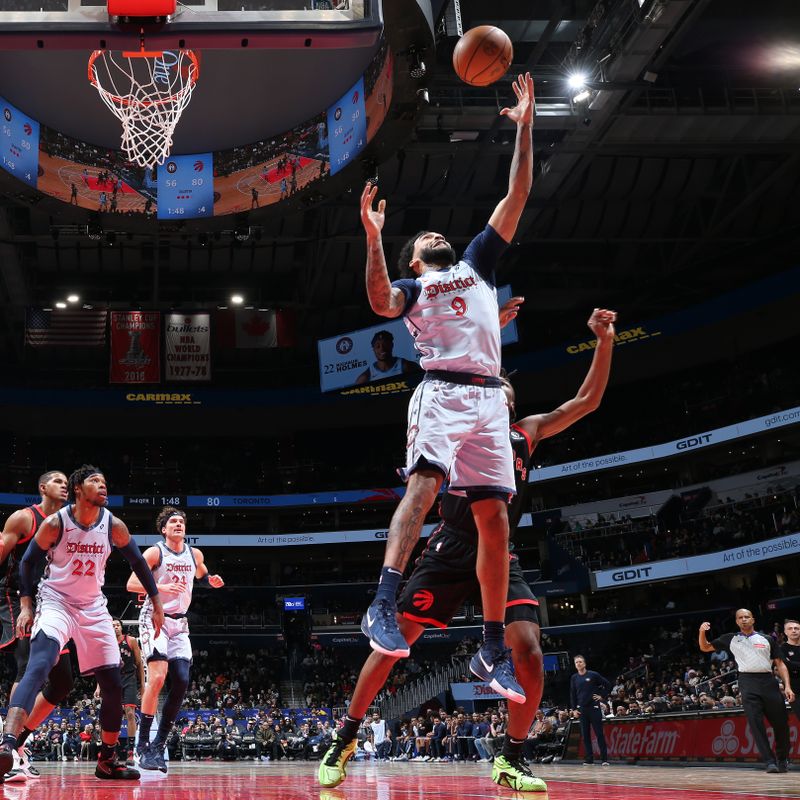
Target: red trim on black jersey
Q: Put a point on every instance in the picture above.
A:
(424, 620)
(525, 434)
(523, 602)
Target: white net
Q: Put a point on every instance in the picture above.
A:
(147, 92)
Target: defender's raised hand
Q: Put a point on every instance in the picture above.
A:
(602, 323)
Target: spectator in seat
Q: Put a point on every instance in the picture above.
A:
(480, 729)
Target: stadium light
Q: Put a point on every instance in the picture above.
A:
(61, 304)
(73, 298)
(237, 299)
(576, 81)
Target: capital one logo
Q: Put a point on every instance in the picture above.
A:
(726, 744)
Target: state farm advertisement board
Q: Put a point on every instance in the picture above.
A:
(725, 737)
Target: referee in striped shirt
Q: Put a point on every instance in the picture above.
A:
(755, 654)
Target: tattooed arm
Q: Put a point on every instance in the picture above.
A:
(385, 300)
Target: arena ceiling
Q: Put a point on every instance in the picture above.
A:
(678, 177)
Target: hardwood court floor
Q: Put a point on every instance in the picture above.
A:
(409, 781)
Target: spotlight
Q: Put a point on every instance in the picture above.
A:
(576, 81)
(237, 299)
(72, 298)
(416, 66)
(61, 304)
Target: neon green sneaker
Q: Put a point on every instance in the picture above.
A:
(332, 768)
(515, 775)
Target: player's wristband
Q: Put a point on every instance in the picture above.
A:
(204, 581)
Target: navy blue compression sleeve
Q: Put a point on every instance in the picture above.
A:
(34, 556)
(140, 567)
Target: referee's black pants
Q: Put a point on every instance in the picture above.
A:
(592, 719)
(795, 704)
(761, 698)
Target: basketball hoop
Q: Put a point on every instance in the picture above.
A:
(147, 92)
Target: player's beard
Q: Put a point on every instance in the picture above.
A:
(442, 256)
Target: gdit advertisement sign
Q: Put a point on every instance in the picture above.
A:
(709, 562)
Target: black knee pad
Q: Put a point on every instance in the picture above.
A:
(60, 681)
(110, 682)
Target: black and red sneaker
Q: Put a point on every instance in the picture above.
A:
(112, 769)
(6, 758)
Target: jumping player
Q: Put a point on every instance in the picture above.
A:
(175, 566)
(18, 530)
(76, 541)
(444, 577)
(457, 417)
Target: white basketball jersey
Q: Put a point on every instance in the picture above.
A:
(376, 374)
(176, 568)
(455, 322)
(76, 564)
(452, 313)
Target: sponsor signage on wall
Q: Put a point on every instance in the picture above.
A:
(790, 416)
(709, 562)
(718, 738)
(279, 539)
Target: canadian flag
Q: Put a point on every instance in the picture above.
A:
(254, 329)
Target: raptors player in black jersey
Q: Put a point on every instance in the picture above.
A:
(18, 530)
(444, 577)
(132, 669)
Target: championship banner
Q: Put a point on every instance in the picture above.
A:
(187, 347)
(717, 738)
(135, 347)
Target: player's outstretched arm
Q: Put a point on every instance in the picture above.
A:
(386, 300)
(201, 573)
(45, 538)
(508, 212)
(589, 396)
(121, 539)
(151, 556)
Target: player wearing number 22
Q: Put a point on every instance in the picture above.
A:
(76, 541)
(175, 566)
(457, 417)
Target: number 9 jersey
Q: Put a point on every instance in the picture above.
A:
(452, 313)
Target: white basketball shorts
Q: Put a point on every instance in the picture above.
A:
(89, 627)
(173, 641)
(462, 430)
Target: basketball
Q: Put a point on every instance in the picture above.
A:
(483, 55)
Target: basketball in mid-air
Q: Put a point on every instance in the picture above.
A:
(483, 55)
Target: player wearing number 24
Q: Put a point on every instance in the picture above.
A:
(457, 419)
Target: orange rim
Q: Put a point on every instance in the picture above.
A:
(124, 101)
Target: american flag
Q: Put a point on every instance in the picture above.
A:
(78, 327)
